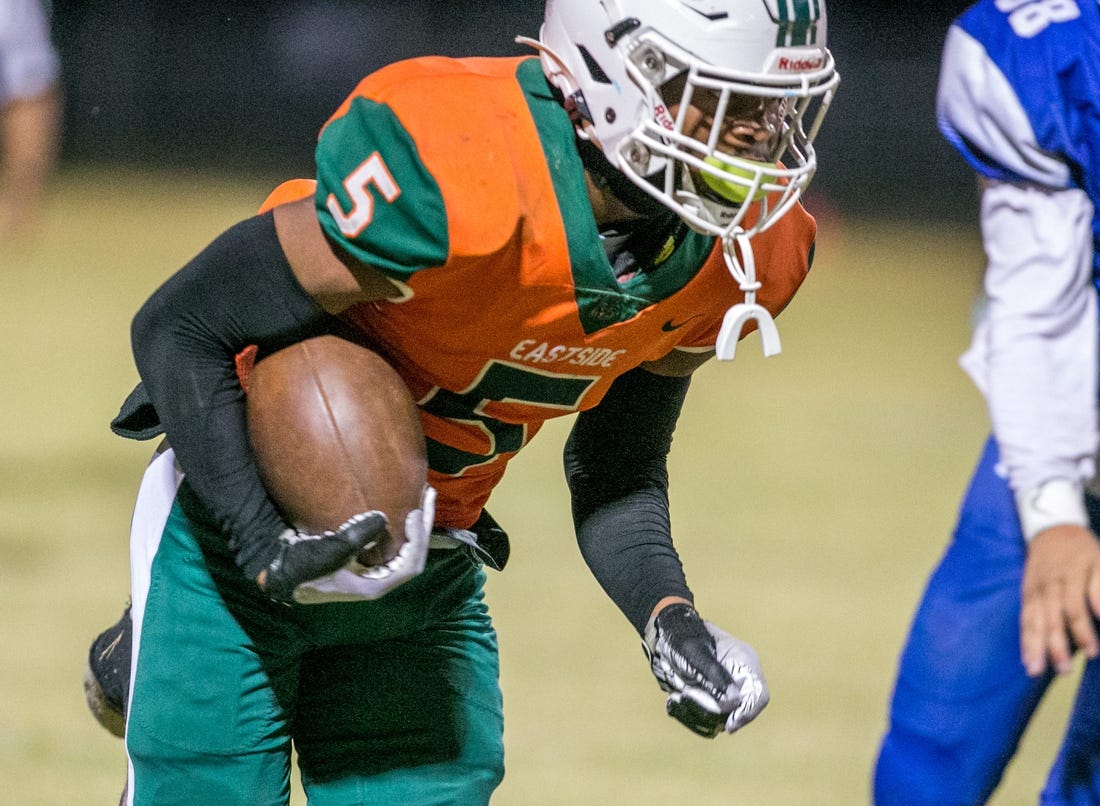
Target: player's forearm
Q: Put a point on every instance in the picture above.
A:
(1035, 352)
(1046, 442)
(28, 148)
(628, 547)
(616, 469)
(29, 136)
(237, 292)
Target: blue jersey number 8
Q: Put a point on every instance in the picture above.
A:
(1029, 18)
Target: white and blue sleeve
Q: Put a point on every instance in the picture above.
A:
(1034, 354)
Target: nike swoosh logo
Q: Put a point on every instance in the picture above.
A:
(668, 326)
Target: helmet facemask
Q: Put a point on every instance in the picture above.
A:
(723, 184)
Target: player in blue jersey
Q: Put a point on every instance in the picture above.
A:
(1017, 592)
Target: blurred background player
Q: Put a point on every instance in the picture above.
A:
(638, 214)
(1018, 590)
(30, 111)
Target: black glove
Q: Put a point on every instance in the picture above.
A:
(714, 680)
(303, 557)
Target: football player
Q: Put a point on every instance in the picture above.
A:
(1017, 592)
(635, 211)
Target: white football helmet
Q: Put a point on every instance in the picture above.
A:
(640, 75)
(627, 64)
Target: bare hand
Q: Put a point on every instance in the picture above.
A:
(1061, 596)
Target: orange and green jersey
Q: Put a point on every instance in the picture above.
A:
(460, 180)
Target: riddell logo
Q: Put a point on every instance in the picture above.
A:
(663, 117)
(800, 64)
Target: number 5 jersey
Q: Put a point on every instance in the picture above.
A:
(460, 180)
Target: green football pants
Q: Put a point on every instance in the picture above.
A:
(395, 701)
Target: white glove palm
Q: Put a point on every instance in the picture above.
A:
(356, 582)
(749, 689)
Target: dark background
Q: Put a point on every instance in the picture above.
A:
(245, 86)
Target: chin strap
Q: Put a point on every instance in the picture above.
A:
(743, 270)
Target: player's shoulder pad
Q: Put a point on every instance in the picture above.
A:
(990, 78)
(449, 133)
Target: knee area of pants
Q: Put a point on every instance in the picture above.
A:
(918, 769)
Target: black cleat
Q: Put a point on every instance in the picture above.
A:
(107, 675)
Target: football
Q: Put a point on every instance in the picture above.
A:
(336, 432)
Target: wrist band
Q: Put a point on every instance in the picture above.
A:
(1053, 503)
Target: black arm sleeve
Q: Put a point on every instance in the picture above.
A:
(615, 465)
(239, 291)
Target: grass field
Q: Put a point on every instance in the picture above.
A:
(811, 494)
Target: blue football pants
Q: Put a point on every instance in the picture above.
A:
(962, 698)
(395, 701)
